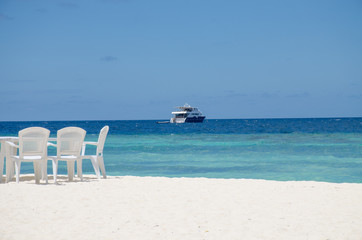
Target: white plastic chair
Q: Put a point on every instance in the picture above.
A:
(69, 146)
(97, 160)
(32, 148)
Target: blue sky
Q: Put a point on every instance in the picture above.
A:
(138, 59)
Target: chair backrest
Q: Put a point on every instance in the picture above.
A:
(33, 141)
(102, 139)
(70, 141)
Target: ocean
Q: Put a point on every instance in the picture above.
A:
(319, 149)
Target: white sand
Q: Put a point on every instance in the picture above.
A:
(179, 208)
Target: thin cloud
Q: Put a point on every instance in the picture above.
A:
(109, 59)
(32, 81)
(4, 17)
(56, 91)
(68, 5)
(8, 92)
(299, 95)
(270, 95)
(355, 96)
(41, 10)
(231, 93)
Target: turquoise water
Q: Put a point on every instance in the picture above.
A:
(297, 156)
(276, 149)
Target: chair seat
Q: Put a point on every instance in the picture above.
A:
(67, 157)
(28, 158)
(88, 156)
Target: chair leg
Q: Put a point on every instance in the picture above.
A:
(1, 167)
(17, 170)
(12, 170)
(79, 169)
(37, 172)
(9, 168)
(44, 170)
(70, 166)
(95, 166)
(55, 170)
(14, 151)
(101, 165)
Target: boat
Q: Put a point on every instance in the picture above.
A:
(188, 114)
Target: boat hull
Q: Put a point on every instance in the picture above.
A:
(195, 119)
(188, 120)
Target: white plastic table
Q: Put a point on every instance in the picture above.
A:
(3, 154)
(9, 167)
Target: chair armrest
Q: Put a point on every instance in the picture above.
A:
(51, 144)
(90, 143)
(12, 144)
(84, 146)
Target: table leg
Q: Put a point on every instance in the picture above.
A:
(2, 158)
(9, 164)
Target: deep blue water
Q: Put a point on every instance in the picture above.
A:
(274, 149)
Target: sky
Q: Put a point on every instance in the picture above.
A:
(139, 59)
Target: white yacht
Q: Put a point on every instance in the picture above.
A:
(187, 114)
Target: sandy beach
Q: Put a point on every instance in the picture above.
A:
(179, 208)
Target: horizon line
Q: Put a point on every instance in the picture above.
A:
(268, 118)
